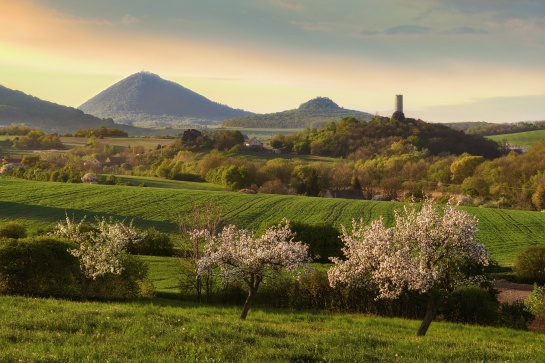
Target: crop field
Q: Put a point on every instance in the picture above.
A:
(166, 183)
(147, 143)
(43, 204)
(525, 139)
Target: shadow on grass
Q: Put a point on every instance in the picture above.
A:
(13, 210)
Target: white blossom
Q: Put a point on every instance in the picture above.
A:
(101, 248)
(239, 255)
(423, 251)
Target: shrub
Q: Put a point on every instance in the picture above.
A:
(154, 243)
(529, 265)
(42, 266)
(39, 267)
(471, 304)
(132, 283)
(12, 230)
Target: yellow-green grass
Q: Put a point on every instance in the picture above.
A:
(48, 330)
(147, 143)
(504, 232)
(525, 139)
(165, 183)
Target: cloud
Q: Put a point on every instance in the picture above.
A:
(466, 30)
(287, 4)
(399, 30)
(129, 19)
(408, 29)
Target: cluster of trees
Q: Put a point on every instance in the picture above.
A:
(385, 158)
(100, 133)
(355, 139)
(429, 261)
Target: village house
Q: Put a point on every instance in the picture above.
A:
(254, 143)
(115, 161)
(92, 163)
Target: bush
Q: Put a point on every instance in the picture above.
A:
(39, 267)
(529, 265)
(42, 266)
(471, 304)
(154, 243)
(132, 283)
(12, 230)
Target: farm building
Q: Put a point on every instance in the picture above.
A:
(115, 161)
(254, 143)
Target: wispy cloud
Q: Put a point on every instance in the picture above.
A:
(287, 4)
(129, 19)
(466, 30)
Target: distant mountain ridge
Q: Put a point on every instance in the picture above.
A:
(145, 99)
(314, 113)
(17, 107)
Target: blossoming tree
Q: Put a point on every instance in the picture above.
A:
(100, 249)
(239, 255)
(425, 251)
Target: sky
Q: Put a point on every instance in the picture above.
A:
(453, 60)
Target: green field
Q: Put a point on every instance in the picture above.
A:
(147, 143)
(166, 183)
(40, 205)
(525, 139)
(48, 330)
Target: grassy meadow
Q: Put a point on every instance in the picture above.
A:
(48, 330)
(525, 139)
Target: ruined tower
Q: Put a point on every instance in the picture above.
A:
(398, 114)
(399, 103)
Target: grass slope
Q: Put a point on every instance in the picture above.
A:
(525, 139)
(47, 330)
(42, 204)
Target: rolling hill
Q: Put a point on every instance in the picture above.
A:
(43, 204)
(19, 108)
(314, 113)
(145, 99)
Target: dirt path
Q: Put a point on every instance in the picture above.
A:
(511, 292)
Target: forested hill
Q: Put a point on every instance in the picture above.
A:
(357, 139)
(315, 113)
(145, 99)
(19, 108)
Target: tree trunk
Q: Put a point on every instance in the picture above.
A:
(253, 284)
(428, 318)
(85, 288)
(248, 303)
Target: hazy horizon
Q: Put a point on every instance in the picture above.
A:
(472, 60)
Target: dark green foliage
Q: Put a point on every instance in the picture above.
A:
(529, 265)
(514, 315)
(132, 283)
(12, 230)
(39, 267)
(154, 243)
(101, 132)
(43, 266)
(471, 304)
(322, 238)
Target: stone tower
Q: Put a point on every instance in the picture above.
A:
(399, 103)
(398, 114)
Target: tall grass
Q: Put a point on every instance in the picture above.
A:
(46, 330)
